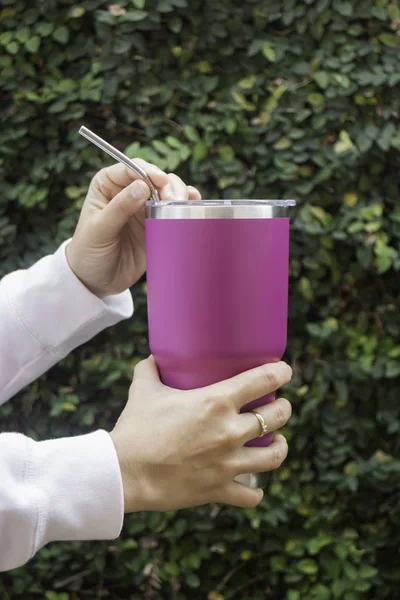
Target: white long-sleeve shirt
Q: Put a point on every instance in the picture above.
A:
(63, 489)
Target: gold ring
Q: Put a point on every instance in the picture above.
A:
(264, 428)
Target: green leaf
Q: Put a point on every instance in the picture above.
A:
(350, 534)
(139, 3)
(351, 469)
(283, 143)
(390, 40)
(319, 213)
(371, 130)
(393, 12)
(33, 44)
(392, 367)
(230, 125)
(338, 588)
(54, 596)
(350, 199)
(12, 47)
(191, 133)
(77, 12)
(364, 256)
(74, 192)
(322, 78)
(61, 34)
(254, 47)
(316, 544)
(135, 16)
(306, 289)
(267, 49)
(316, 99)
(161, 147)
(342, 80)
(172, 569)
(225, 182)
(199, 151)
(362, 586)
(385, 136)
(321, 592)
(247, 83)
(307, 566)
(364, 143)
(5, 38)
(350, 571)
(368, 572)
(273, 100)
(213, 595)
(344, 8)
(173, 142)
(344, 144)
(22, 35)
(395, 141)
(135, 150)
(242, 101)
(67, 407)
(173, 160)
(44, 29)
(278, 563)
(330, 564)
(226, 152)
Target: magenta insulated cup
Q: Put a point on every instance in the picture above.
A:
(217, 281)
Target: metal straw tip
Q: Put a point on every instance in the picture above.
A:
(119, 156)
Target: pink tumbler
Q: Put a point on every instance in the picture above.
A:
(217, 279)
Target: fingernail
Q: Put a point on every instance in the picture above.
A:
(168, 192)
(139, 190)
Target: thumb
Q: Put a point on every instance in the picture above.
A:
(147, 369)
(123, 206)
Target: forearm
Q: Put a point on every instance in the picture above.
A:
(64, 489)
(45, 312)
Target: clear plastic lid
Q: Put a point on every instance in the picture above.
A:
(218, 209)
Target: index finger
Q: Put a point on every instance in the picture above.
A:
(118, 176)
(254, 384)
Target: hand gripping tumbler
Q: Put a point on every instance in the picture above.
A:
(217, 280)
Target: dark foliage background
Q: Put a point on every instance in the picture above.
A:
(290, 98)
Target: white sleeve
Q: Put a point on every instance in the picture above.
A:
(69, 488)
(45, 312)
(64, 489)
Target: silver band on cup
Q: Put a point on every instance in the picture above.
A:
(219, 209)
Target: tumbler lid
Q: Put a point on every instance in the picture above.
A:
(218, 209)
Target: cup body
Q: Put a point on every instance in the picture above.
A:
(217, 281)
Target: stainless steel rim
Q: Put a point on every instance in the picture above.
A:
(219, 209)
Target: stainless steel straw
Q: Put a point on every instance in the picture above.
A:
(117, 155)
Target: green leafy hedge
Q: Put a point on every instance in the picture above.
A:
(289, 98)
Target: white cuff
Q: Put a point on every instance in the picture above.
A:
(79, 489)
(64, 489)
(69, 313)
(46, 312)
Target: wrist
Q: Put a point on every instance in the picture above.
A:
(72, 260)
(122, 467)
(133, 501)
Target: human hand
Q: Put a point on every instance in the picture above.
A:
(107, 251)
(178, 449)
